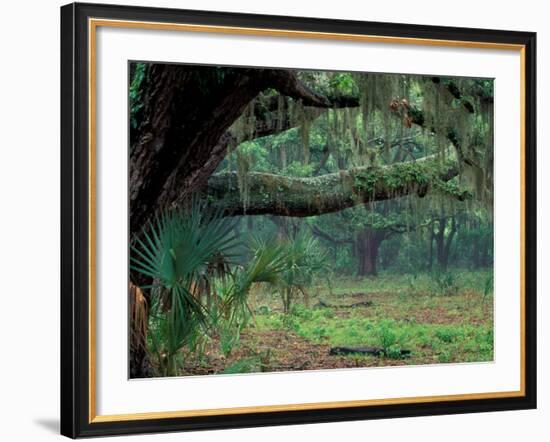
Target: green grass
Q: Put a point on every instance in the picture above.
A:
(417, 316)
(419, 283)
(416, 313)
(443, 343)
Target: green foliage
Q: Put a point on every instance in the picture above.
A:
(199, 287)
(179, 251)
(179, 246)
(444, 283)
(435, 329)
(303, 259)
(387, 335)
(452, 189)
(248, 365)
(345, 262)
(488, 286)
(258, 362)
(447, 334)
(301, 311)
(135, 93)
(265, 265)
(264, 310)
(256, 153)
(299, 170)
(343, 83)
(412, 283)
(229, 337)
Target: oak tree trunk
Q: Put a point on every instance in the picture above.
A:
(444, 241)
(367, 248)
(182, 135)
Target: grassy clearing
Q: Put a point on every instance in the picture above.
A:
(407, 312)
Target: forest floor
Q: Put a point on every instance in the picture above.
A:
(438, 319)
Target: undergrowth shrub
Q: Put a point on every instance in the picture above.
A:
(444, 283)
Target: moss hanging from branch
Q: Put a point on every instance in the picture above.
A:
(304, 135)
(291, 196)
(243, 169)
(366, 133)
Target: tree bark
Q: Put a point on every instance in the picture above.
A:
(432, 237)
(183, 132)
(367, 246)
(443, 242)
(300, 197)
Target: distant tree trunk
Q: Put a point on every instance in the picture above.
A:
(444, 242)
(476, 252)
(367, 247)
(432, 237)
(282, 150)
(486, 248)
(439, 237)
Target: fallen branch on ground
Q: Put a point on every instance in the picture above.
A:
(374, 351)
(325, 304)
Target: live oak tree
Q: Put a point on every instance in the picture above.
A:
(186, 118)
(187, 122)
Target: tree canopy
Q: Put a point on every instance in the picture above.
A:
(341, 139)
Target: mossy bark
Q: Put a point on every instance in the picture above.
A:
(301, 197)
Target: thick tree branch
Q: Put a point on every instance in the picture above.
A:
(453, 89)
(288, 83)
(264, 193)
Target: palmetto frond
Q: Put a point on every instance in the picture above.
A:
(178, 250)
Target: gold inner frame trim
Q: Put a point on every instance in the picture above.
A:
(93, 24)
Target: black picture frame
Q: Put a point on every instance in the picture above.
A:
(75, 221)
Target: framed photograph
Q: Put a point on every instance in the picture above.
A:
(276, 220)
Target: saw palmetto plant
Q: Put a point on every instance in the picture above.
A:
(200, 286)
(303, 259)
(180, 252)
